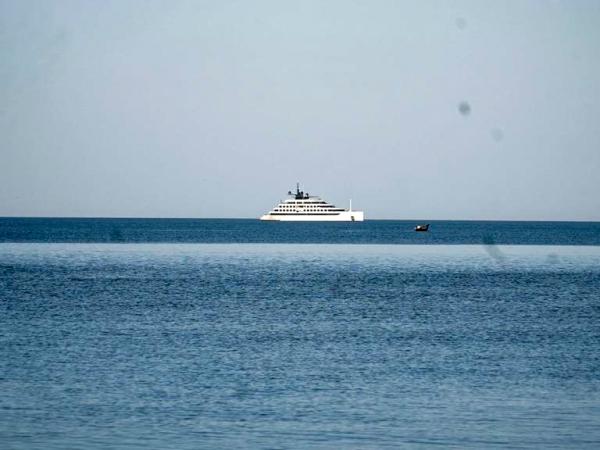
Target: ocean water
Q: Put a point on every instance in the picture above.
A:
(299, 345)
(255, 231)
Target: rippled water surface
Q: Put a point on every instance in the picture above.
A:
(284, 345)
(255, 231)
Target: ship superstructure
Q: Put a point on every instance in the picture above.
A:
(304, 207)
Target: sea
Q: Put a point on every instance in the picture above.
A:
(206, 334)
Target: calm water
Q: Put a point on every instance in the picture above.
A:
(255, 231)
(282, 345)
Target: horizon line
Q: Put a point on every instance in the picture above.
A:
(257, 219)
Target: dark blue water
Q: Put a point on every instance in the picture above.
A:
(255, 231)
(184, 346)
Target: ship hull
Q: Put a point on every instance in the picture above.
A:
(346, 216)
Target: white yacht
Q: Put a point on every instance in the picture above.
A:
(304, 207)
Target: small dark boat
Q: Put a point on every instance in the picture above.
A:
(422, 227)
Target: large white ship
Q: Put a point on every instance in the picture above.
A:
(304, 207)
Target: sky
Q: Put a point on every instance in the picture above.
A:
(416, 110)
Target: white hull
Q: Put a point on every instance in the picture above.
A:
(345, 216)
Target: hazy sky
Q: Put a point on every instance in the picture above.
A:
(216, 108)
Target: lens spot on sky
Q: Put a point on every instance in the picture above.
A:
(461, 23)
(497, 134)
(464, 108)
